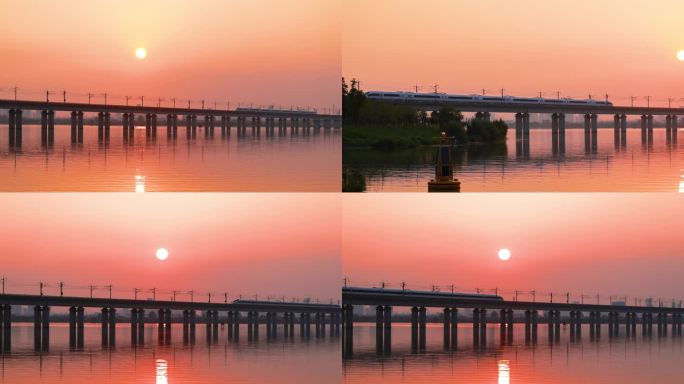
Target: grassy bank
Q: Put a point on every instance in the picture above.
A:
(389, 137)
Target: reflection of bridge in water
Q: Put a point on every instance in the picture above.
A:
(190, 118)
(324, 318)
(620, 317)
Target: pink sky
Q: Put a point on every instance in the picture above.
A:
(266, 244)
(614, 244)
(264, 52)
(625, 48)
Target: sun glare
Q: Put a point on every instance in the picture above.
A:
(141, 53)
(504, 254)
(680, 55)
(162, 254)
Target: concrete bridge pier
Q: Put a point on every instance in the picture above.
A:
(611, 325)
(169, 125)
(80, 327)
(141, 326)
(644, 324)
(668, 128)
(561, 133)
(550, 322)
(208, 328)
(346, 324)
(41, 327)
(421, 326)
(112, 327)
(526, 135)
(483, 327)
(269, 320)
(292, 325)
(534, 326)
(649, 121)
(556, 326)
(104, 320)
(554, 133)
(74, 137)
(167, 326)
(186, 326)
(131, 127)
(308, 325)
(592, 325)
(160, 326)
(193, 322)
(318, 325)
(43, 127)
(107, 126)
(215, 324)
(72, 327)
(594, 133)
(387, 331)
(578, 324)
(347, 329)
(134, 326)
(675, 129)
(15, 128)
(188, 127)
(644, 130)
(509, 326)
(229, 324)
(587, 133)
(174, 125)
(100, 127)
(572, 321)
(236, 325)
(255, 324)
(223, 126)
(623, 131)
(665, 323)
(454, 328)
(447, 328)
(476, 327)
(528, 325)
(126, 126)
(6, 317)
(634, 324)
(616, 131)
(193, 124)
(250, 326)
(414, 329)
(518, 134)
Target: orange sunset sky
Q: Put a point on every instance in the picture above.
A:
(265, 244)
(612, 244)
(625, 48)
(283, 52)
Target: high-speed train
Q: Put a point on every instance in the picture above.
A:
(445, 97)
(276, 110)
(411, 293)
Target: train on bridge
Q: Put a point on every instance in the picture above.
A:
(412, 96)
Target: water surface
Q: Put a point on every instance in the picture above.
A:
(279, 361)
(635, 167)
(289, 161)
(619, 360)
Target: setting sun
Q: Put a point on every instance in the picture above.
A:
(680, 55)
(504, 254)
(141, 53)
(162, 254)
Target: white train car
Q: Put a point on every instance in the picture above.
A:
(446, 97)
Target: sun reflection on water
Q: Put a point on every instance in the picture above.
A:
(504, 372)
(681, 181)
(139, 183)
(161, 370)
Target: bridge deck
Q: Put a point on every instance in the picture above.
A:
(444, 301)
(259, 306)
(85, 107)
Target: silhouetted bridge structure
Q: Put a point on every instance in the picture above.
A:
(191, 118)
(558, 111)
(272, 313)
(619, 318)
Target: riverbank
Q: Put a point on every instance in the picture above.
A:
(389, 137)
